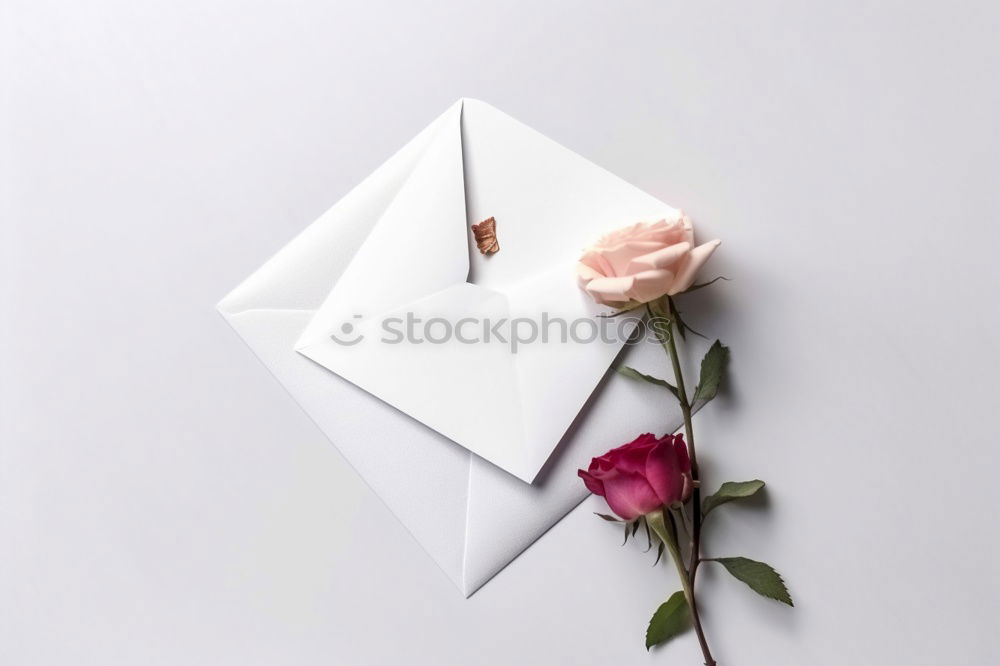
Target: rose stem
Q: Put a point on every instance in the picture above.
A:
(671, 348)
(669, 537)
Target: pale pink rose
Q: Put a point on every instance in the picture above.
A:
(643, 261)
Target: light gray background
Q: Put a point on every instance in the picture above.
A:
(163, 501)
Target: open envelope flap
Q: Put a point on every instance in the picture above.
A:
(508, 406)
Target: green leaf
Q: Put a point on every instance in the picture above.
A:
(669, 620)
(713, 367)
(761, 578)
(729, 491)
(610, 519)
(626, 535)
(632, 373)
(635, 528)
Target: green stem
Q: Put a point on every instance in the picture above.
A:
(684, 522)
(667, 339)
(668, 536)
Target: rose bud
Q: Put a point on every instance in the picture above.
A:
(642, 262)
(642, 476)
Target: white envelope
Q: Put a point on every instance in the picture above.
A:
(431, 428)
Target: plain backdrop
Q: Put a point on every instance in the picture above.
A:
(163, 501)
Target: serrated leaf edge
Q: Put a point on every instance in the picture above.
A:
(678, 604)
(700, 391)
(787, 599)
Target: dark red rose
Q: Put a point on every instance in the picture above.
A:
(644, 475)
